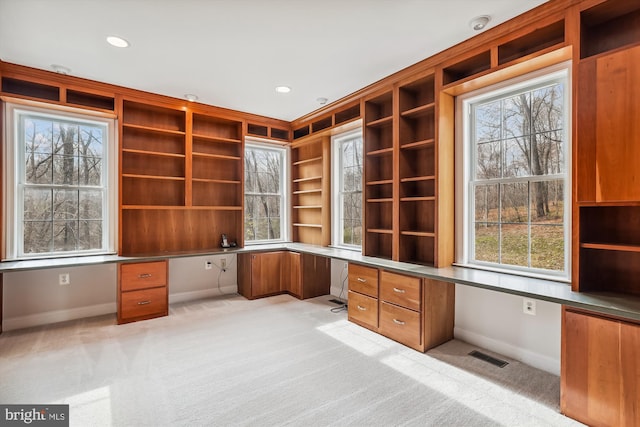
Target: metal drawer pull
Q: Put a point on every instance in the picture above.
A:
(144, 302)
(361, 308)
(361, 280)
(144, 275)
(398, 322)
(400, 291)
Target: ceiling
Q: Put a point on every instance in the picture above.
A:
(233, 53)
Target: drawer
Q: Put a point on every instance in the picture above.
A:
(363, 280)
(363, 310)
(143, 275)
(147, 302)
(401, 290)
(400, 324)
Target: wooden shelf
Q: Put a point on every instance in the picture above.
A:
(419, 111)
(379, 231)
(418, 144)
(216, 156)
(218, 181)
(153, 129)
(160, 178)
(152, 153)
(386, 200)
(417, 199)
(380, 152)
(304, 161)
(182, 208)
(609, 26)
(217, 139)
(611, 247)
(418, 178)
(307, 179)
(318, 190)
(381, 182)
(308, 207)
(297, 224)
(418, 233)
(384, 121)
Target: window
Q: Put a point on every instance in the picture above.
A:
(60, 183)
(347, 192)
(264, 203)
(516, 193)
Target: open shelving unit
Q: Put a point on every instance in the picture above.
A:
(181, 179)
(310, 191)
(379, 163)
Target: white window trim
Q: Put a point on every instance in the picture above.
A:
(12, 223)
(337, 236)
(266, 144)
(463, 156)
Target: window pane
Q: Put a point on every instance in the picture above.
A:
(488, 160)
(91, 141)
(547, 201)
(349, 195)
(515, 202)
(516, 157)
(486, 203)
(514, 243)
(37, 237)
(90, 235)
(488, 122)
(37, 204)
(90, 204)
(547, 246)
(65, 235)
(65, 204)
(487, 243)
(547, 108)
(38, 168)
(65, 170)
(517, 116)
(547, 153)
(90, 170)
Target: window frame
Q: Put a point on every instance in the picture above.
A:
(337, 226)
(13, 163)
(265, 144)
(465, 157)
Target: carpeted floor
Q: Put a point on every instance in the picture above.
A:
(271, 362)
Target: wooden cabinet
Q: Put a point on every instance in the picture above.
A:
(311, 199)
(270, 273)
(181, 180)
(363, 296)
(600, 369)
(142, 291)
(609, 127)
(260, 274)
(416, 312)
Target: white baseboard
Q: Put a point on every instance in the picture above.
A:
(56, 316)
(537, 360)
(204, 293)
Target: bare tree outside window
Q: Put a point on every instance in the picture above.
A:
(349, 180)
(518, 178)
(263, 193)
(62, 184)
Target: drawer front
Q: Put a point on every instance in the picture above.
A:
(363, 280)
(401, 290)
(143, 275)
(400, 324)
(146, 302)
(363, 309)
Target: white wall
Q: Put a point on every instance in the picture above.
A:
(34, 297)
(339, 285)
(495, 321)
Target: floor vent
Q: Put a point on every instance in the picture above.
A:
(496, 362)
(337, 301)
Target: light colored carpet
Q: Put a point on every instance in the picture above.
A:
(271, 362)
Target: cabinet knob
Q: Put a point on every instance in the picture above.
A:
(144, 302)
(399, 291)
(361, 280)
(361, 308)
(398, 322)
(144, 275)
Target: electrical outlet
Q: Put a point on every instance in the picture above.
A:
(207, 265)
(529, 306)
(223, 263)
(64, 279)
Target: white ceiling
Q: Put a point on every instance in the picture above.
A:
(232, 53)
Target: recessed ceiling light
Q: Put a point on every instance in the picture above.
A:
(191, 97)
(61, 69)
(322, 100)
(283, 89)
(117, 41)
(478, 23)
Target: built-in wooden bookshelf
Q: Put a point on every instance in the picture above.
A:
(310, 191)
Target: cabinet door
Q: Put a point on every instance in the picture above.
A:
(630, 361)
(291, 274)
(609, 128)
(266, 273)
(316, 275)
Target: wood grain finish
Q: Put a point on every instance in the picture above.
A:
(142, 291)
(401, 324)
(363, 310)
(316, 275)
(600, 370)
(363, 280)
(401, 290)
(438, 312)
(266, 273)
